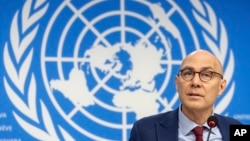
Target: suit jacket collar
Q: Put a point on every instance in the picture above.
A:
(167, 129)
(224, 127)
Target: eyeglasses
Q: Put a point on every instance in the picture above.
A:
(204, 75)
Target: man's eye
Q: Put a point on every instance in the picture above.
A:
(206, 74)
(187, 72)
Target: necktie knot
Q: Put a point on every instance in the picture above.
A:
(198, 131)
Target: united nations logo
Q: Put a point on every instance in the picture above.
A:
(105, 64)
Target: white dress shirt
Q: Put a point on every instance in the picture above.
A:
(185, 130)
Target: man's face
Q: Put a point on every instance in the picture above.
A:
(196, 94)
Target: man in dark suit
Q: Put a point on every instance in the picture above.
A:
(199, 83)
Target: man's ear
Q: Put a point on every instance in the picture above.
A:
(222, 86)
(176, 82)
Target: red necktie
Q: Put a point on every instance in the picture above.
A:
(198, 131)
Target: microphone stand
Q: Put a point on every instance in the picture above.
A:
(209, 132)
(212, 122)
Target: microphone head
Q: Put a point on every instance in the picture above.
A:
(212, 121)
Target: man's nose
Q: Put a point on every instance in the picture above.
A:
(196, 79)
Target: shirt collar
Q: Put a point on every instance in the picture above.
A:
(186, 125)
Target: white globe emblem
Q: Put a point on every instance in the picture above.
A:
(106, 67)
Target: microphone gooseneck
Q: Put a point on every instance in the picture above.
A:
(212, 122)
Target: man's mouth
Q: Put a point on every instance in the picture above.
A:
(195, 94)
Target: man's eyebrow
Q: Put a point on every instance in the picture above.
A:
(187, 68)
(203, 68)
(207, 68)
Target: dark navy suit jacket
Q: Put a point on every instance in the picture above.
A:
(164, 127)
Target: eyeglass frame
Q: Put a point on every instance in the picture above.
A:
(199, 73)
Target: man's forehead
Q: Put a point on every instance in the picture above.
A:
(201, 60)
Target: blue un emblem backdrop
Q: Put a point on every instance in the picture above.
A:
(87, 70)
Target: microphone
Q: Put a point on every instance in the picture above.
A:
(212, 122)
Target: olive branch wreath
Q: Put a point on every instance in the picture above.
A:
(211, 35)
(16, 78)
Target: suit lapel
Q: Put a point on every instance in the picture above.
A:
(224, 128)
(167, 128)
